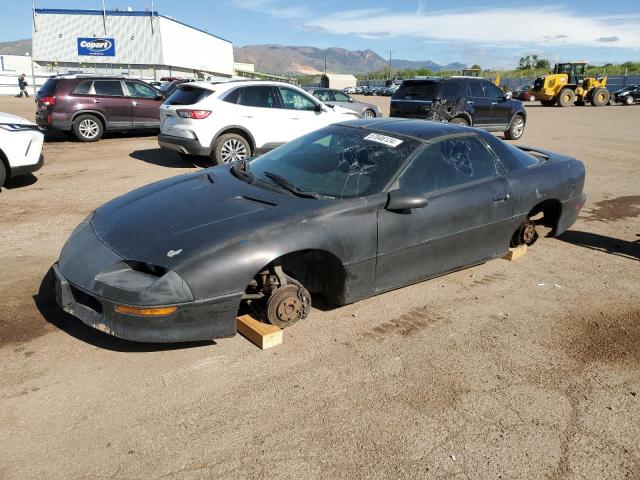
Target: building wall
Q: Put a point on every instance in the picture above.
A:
(187, 47)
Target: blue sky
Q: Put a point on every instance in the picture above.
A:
(491, 33)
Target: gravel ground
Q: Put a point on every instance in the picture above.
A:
(526, 369)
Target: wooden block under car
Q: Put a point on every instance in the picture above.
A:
(515, 253)
(261, 334)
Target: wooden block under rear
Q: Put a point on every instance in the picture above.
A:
(515, 253)
(261, 334)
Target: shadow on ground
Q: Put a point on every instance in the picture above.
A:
(167, 158)
(45, 301)
(601, 243)
(20, 181)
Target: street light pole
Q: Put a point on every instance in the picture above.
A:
(389, 68)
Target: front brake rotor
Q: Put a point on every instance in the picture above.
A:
(287, 305)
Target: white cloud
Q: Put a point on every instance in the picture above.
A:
(504, 27)
(272, 8)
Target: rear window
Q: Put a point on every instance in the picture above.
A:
(416, 91)
(49, 86)
(526, 158)
(187, 96)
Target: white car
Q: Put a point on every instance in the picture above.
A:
(238, 119)
(20, 147)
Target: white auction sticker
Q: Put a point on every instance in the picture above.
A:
(390, 141)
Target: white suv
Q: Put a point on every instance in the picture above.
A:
(238, 119)
(20, 147)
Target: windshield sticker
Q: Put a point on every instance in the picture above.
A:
(383, 139)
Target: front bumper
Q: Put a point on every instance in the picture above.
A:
(198, 320)
(189, 146)
(26, 169)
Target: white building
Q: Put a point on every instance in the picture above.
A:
(138, 43)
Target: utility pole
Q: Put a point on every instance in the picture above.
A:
(389, 69)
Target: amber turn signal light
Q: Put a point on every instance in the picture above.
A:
(145, 311)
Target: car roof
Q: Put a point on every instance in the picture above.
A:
(422, 130)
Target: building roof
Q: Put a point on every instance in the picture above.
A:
(118, 13)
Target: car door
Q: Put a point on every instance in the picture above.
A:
(259, 112)
(145, 104)
(301, 112)
(109, 96)
(500, 106)
(478, 105)
(466, 219)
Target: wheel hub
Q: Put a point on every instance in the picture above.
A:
(287, 305)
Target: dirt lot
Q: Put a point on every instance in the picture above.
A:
(527, 369)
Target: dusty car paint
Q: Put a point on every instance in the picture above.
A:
(197, 240)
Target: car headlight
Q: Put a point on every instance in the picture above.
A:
(18, 127)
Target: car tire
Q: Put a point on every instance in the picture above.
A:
(516, 128)
(88, 128)
(548, 103)
(459, 121)
(368, 113)
(600, 97)
(3, 173)
(628, 100)
(229, 148)
(532, 98)
(526, 234)
(566, 97)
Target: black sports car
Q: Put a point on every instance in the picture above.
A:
(345, 212)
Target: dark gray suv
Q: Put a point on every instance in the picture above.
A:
(461, 100)
(90, 105)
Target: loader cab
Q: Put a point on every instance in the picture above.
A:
(575, 72)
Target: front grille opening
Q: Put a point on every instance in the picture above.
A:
(87, 300)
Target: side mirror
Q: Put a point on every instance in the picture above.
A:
(318, 108)
(508, 96)
(402, 202)
(160, 96)
(351, 100)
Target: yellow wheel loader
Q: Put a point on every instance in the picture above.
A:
(567, 85)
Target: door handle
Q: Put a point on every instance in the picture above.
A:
(95, 100)
(469, 102)
(494, 103)
(134, 103)
(501, 198)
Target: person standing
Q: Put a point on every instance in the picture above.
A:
(22, 83)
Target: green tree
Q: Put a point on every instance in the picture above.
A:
(475, 66)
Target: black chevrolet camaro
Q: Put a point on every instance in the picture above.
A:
(345, 212)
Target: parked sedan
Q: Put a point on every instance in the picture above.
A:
(627, 95)
(523, 92)
(426, 198)
(336, 97)
(20, 147)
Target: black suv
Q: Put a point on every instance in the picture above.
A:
(461, 100)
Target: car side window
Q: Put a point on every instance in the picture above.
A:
(493, 92)
(138, 90)
(475, 90)
(448, 163)
(323, 95)
(451, 89)
(83, 88)
(108, 88)
(293, 100)
(233, 96)
(341, 96)
(262, 96)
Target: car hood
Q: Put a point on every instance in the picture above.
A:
(343, 111)
(9, 118)
(175, 220)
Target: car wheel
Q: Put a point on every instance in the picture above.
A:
(532, 98)
(600, 97)
(230, 148)
(566, 97)
(459, 121)
(628, 100)
(3, 174)
(287, 305)
(516, 129)
(88, 128)
(368, 114)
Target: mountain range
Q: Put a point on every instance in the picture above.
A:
(301, 60)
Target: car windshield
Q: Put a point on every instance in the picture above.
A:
(335, 162)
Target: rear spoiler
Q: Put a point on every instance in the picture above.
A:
(534, 151)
